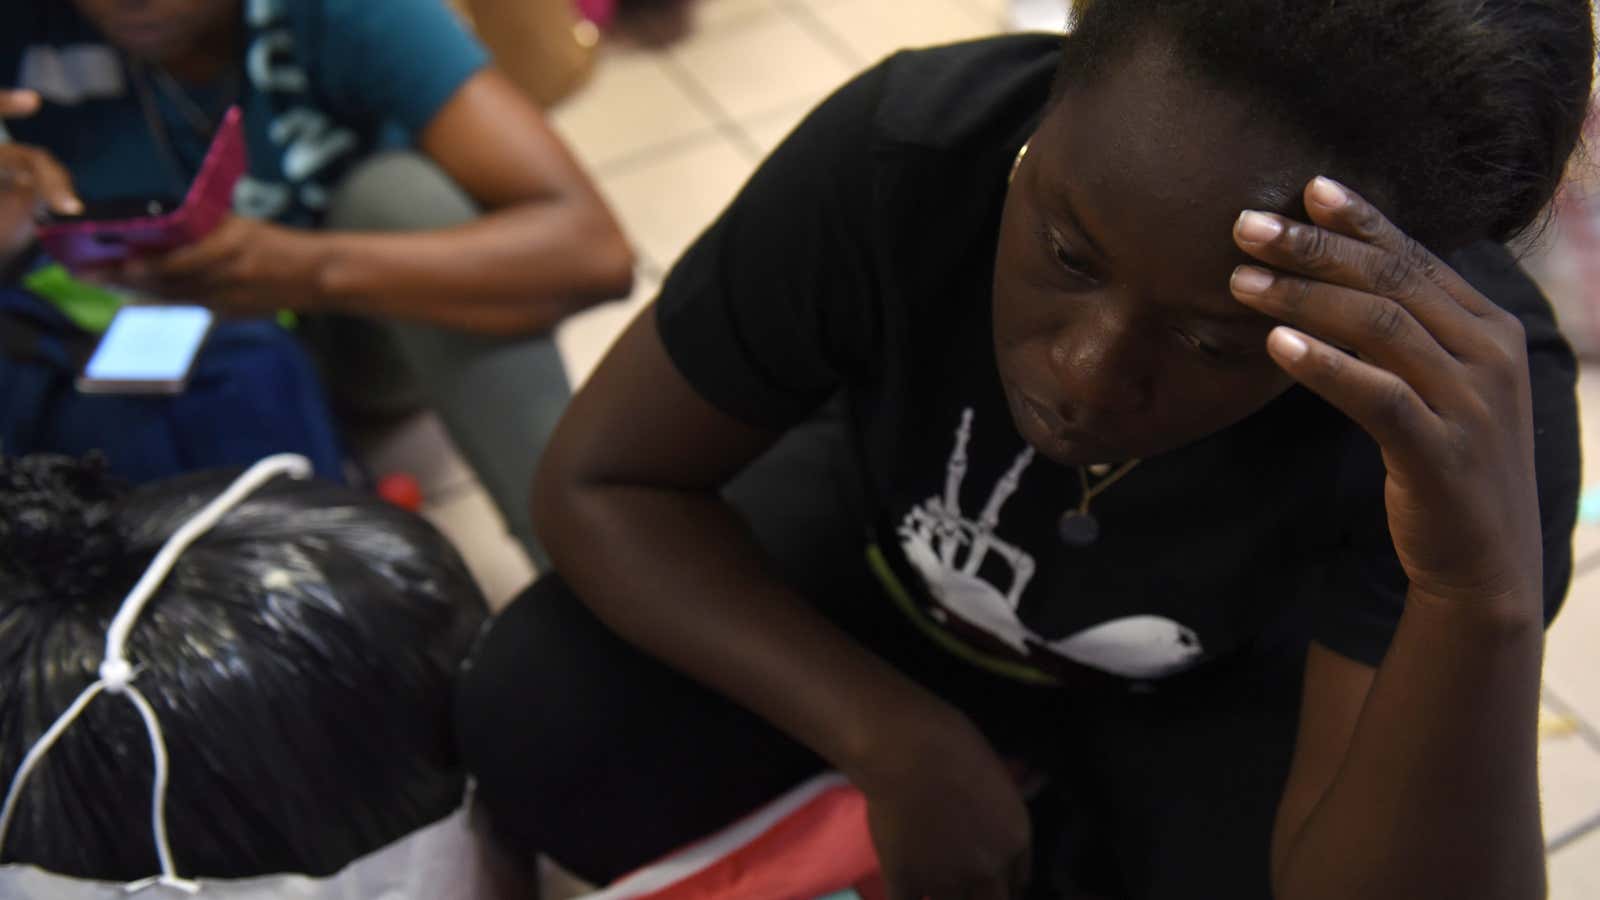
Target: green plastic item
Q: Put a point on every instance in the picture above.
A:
(89, 306)
(92, 307)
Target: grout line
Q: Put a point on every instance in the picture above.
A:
(451, 491)
(999, 21)
(627, 163)
(748, 143)
(1586, 731)
(648, 269)
(995, 24)
(698, 93)
(721, 118)
(1588, 563)
(807, 18)
(1590, 736)
(1573, 834)
(733, 20)
(743, 142)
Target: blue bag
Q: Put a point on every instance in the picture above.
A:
(254, 392)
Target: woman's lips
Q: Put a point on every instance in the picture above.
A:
(1055, 428)
(1049, 418)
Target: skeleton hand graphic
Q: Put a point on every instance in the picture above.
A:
(949, 551)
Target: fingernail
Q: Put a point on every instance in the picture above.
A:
(1251, 280)
(1288, 344)
(72, 206)
(1328, 193)
(1257, 228)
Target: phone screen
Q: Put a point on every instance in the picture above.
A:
(147, 349)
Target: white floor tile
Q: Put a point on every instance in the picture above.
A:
(711, 14)
(631, 105)
(666, 201)
(1575, 870)
(769, 130)
(584, 339)
(1589, 419)
(1569, 775)
(998, 12)
(496, 560)
(1571, 665)
(764, 64)
(1032, 15)
(418, 446)
(873, 30)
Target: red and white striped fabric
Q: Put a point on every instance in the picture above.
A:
(810, 844)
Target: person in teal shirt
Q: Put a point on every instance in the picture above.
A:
(403, 199)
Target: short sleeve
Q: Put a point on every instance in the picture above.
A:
(775, 307)
(397, 61)
(1358, 596)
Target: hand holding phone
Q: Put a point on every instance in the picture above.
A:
(120, 229)
(30, 177)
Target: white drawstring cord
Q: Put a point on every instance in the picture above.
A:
(117, 675)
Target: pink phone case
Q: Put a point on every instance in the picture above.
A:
(87, 244)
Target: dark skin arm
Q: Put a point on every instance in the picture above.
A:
(546, 247)
(1418, 779)
(633, 473)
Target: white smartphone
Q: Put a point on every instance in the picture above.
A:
(148, 349)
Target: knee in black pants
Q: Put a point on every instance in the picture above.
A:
(599, 756)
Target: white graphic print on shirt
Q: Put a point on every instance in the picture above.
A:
(949, 550)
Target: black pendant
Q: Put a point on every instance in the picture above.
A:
(1078, 529)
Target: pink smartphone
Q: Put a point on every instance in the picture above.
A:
(122, 229)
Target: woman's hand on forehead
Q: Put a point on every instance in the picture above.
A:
(1435, 373)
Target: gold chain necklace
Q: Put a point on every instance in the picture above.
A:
(1078, 527)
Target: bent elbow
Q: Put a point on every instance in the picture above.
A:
(612, 263)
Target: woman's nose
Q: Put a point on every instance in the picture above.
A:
(1100, 369)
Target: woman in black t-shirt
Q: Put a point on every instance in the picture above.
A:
(1159, 374)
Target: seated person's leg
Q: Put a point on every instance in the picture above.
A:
(587, 750)
(499, 398)
(590, 751)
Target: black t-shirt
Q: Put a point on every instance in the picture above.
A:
(859, 260)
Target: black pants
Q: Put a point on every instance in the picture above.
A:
(603, 758)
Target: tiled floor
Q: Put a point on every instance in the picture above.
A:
(671, 134)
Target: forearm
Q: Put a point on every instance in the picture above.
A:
(520, 270)
(693, 590)
(1438, 793)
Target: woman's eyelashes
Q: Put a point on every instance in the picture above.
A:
(1080, 274)
(1062, 257)
(1214, 351)
(1200, 345)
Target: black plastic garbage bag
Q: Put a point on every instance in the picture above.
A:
(299, 657)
